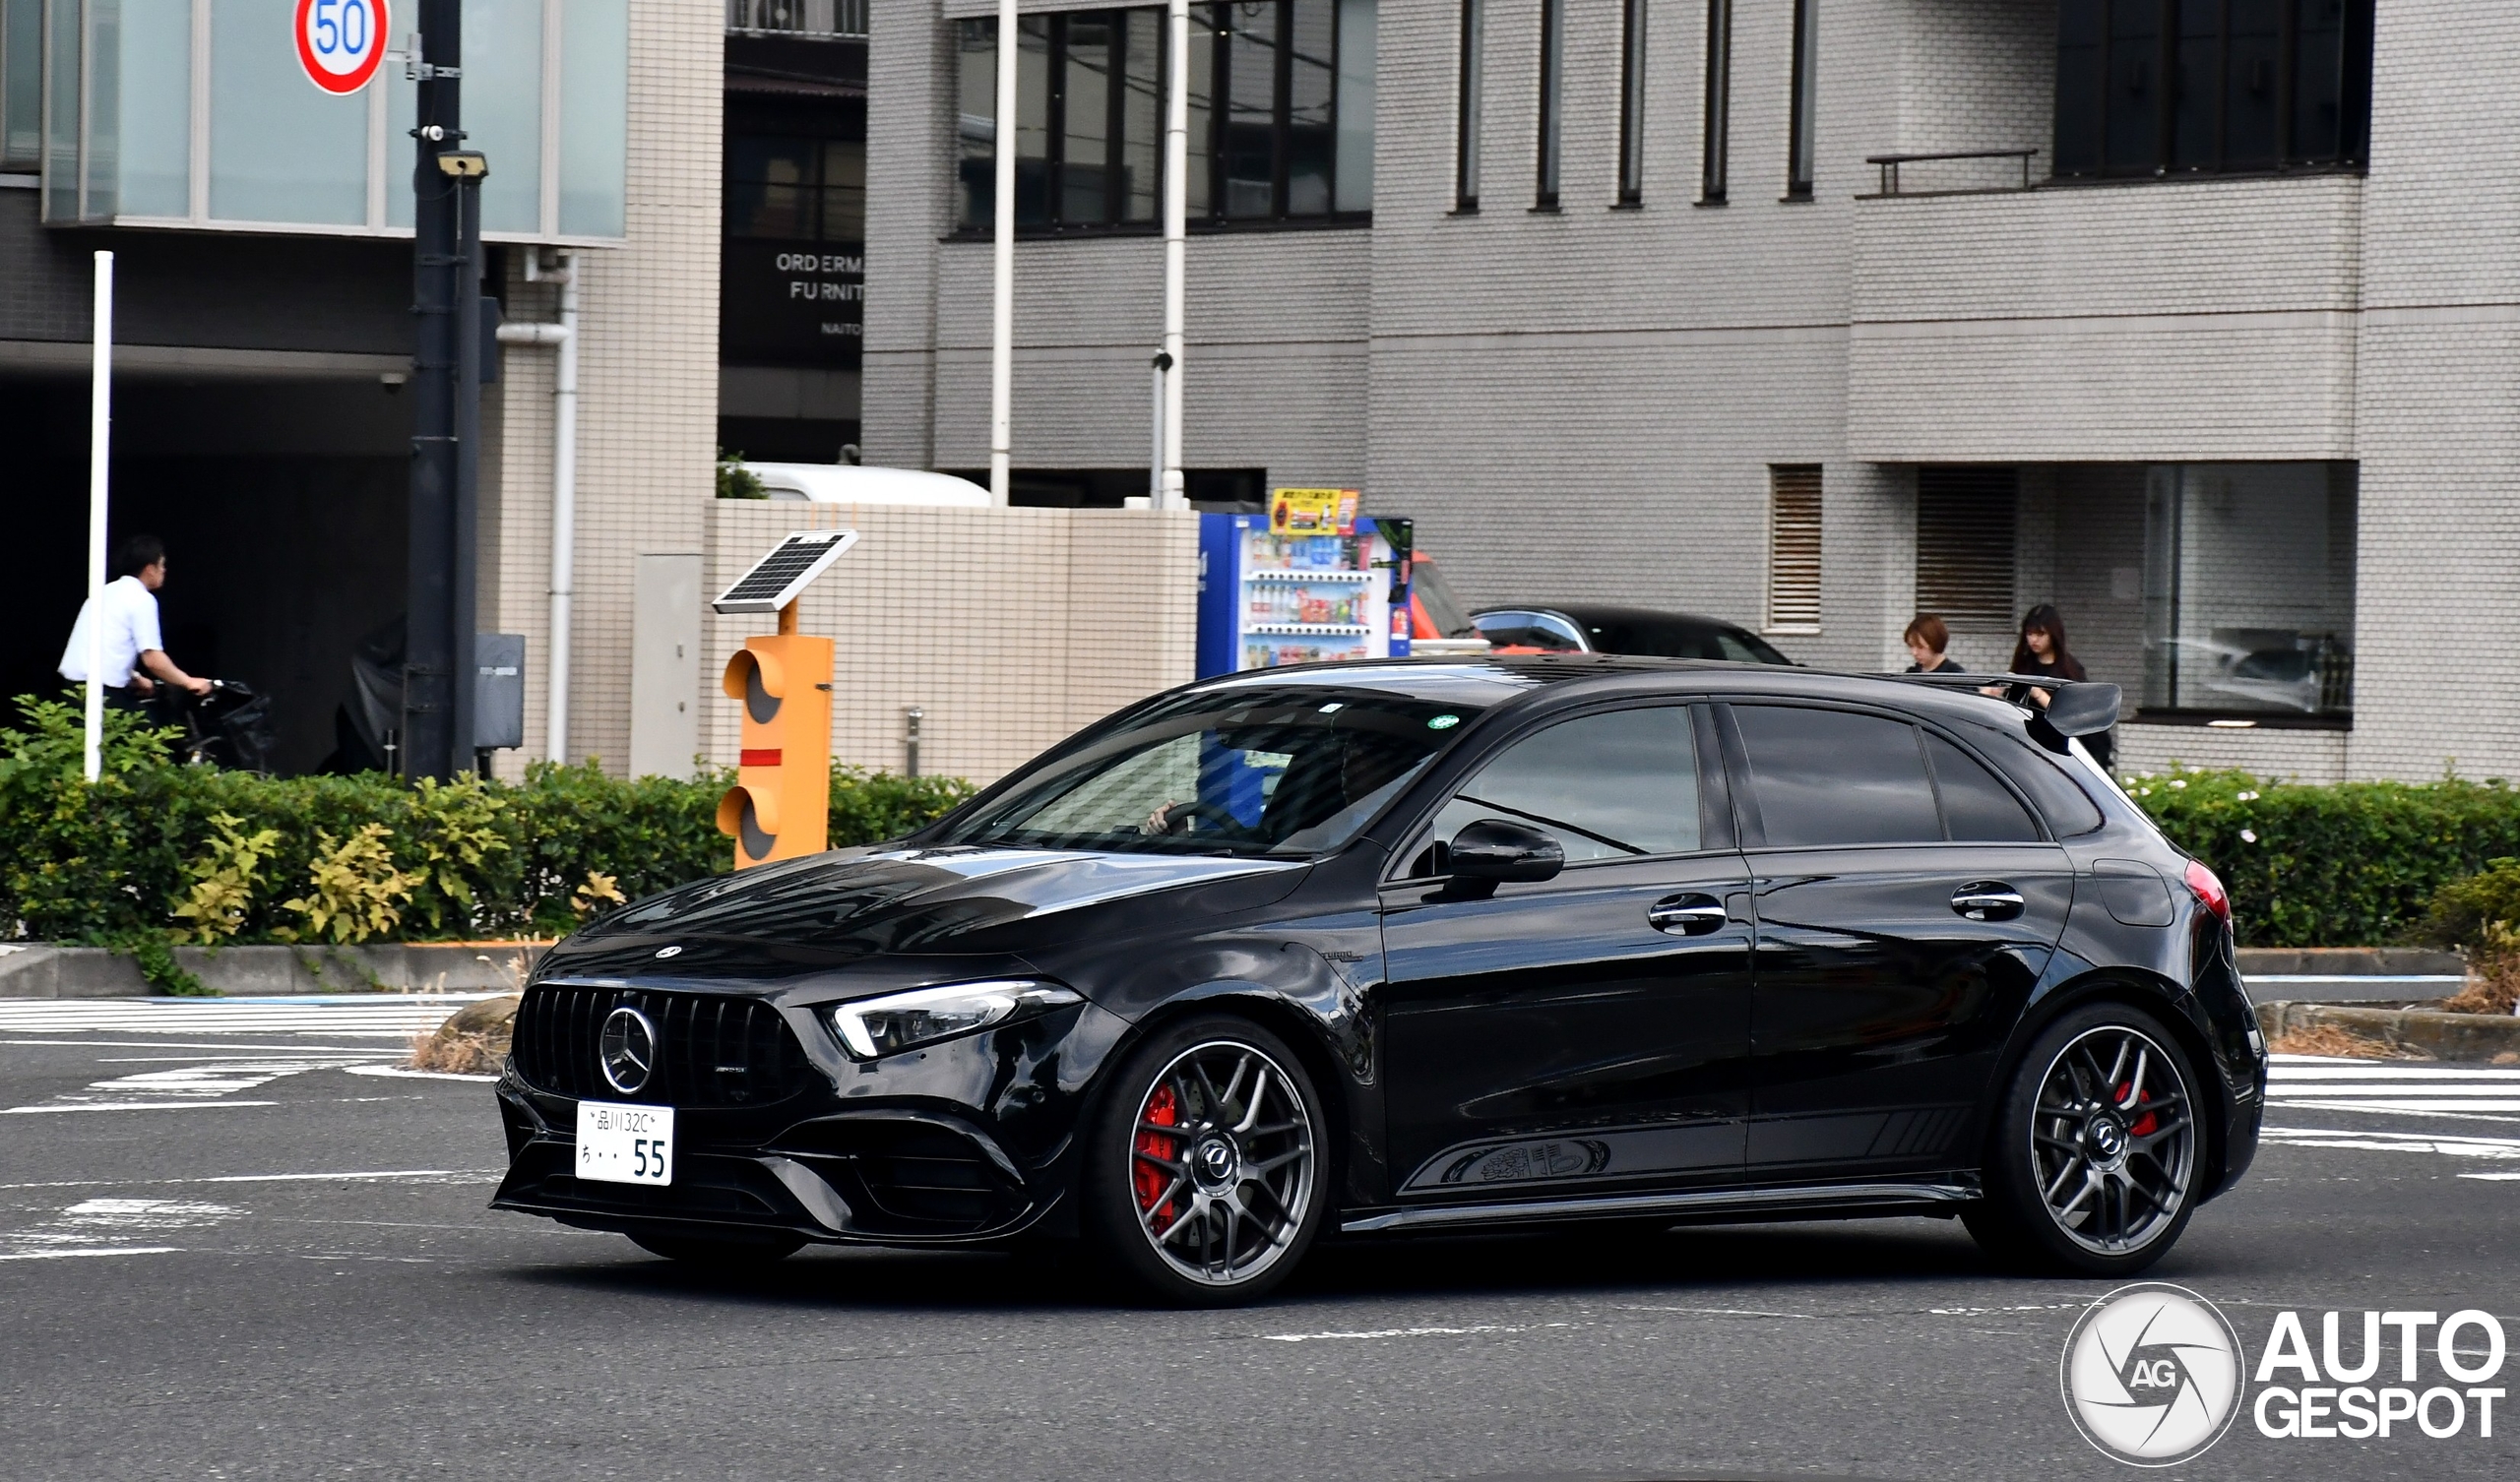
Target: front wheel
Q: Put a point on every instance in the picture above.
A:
(2096, 1149)
(1204, 1170)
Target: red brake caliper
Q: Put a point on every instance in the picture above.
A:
(2143, 1125)
(1151, 1182)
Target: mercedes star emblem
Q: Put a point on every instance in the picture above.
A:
(627, 1052)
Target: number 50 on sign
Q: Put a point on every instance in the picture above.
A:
(339, 42)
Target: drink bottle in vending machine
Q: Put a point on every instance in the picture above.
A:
(1311, 580)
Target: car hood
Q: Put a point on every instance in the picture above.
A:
(831, 909)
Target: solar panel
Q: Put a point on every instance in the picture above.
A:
(776, 579)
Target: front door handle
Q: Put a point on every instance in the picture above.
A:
(1986, 900)
(1689, 915)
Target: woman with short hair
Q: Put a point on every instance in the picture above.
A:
(1927, 637)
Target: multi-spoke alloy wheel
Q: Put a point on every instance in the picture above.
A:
(2094, 1156)
(1210, 1153)
(2113, 1140)
(1221, 1163)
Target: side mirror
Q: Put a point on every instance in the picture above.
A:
(1497, 852)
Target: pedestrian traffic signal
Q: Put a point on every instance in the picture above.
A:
(780, 807)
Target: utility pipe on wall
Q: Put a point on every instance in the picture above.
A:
(1001, 343)
(564, 481)
(1176, 182)
(100, 403)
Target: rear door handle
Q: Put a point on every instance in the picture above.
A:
(1986, 900)
(1691, 915)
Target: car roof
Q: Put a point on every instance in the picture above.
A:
(1498, 679)
(1590, 613)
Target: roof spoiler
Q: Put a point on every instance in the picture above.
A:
(2077, 706)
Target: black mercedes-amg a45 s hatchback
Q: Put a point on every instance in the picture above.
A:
(1365, 950)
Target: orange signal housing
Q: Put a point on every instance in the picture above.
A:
(780, 807)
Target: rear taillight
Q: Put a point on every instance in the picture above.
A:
(2209, 891)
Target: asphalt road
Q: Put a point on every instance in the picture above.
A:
(230, 1248)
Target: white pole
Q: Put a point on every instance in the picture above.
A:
(564, 507)
(1001, 347)
(100, 403)
(1176, 184)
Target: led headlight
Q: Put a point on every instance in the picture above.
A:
(898, 1022)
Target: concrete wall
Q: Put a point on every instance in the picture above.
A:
(1010, 629)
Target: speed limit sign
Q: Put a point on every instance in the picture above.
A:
(339, 42)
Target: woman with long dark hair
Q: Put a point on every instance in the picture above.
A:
(2040, 649)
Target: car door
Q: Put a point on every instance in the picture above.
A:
(1590, 1031)
(1906, 901)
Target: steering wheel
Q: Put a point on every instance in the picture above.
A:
(1176, 819)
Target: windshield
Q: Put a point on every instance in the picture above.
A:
(1277, 769)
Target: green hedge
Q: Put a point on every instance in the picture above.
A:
(2351, 865)
(154, 848)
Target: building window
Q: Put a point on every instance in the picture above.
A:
(1552, 79)
(1465, 148)
(1793, 548)
(2248, 589)
(1718, 101)
(1966, 520)
(1632, 105)
(2159, 87)
(1280, 93)
(1798, 147)
(21, 84)
(793, 188)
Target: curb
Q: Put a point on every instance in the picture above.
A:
(2349, 962)
(41, 970)
(2443, 1036)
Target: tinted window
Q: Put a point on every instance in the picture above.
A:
(1826, 777)
(1978, 808)
(2069, 810)
(1659, 640)
(1530, 630)
(1607, 786)
(1742, 648)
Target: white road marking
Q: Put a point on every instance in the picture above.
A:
(1411, 1332)
(403, 1069)
(199, 1044)
(84, 1226)
(181, 1085)
(119, 1106)
(349, 1017)
(2492, 1177)
(127, 1250)
(267, 1178)
(2396, 1142)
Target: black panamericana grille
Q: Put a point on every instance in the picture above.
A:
(712, 1051)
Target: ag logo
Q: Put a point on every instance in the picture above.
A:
(2151, 1374)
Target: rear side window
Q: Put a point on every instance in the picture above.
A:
(1978, 808)
(1614, 785)
(1829, 777)
(2069, 808)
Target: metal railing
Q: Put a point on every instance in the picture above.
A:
(842, 19)
(1889, 165)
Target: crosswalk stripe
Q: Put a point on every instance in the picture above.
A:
(379, 1017)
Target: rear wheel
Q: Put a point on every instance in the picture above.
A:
(1203, 1175)
(2097, 1148)
(730, 1254)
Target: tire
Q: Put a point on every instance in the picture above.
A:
(732, 1254)
(1221, 1213)
(2094, 1155)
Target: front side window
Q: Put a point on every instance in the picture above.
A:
(1281, 94)
(2248, 589)
(1618, 785)
(1270, 770)
(2161, 87)
(1826, 779)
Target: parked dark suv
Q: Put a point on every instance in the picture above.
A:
(1384, 947)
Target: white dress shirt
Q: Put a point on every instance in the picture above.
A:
(131, 630)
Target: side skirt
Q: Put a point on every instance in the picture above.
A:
(1817, 1199)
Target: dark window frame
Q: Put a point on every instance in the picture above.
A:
(1801, 101)
(1546, 157)
(1212, 16)
(1716, 167)
(2089, 109)
(1631, 103)
(1467, 110)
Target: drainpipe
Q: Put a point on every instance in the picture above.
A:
(564, 480)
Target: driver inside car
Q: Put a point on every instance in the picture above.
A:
(1328, 786)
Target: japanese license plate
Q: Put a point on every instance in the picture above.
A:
(620, 1143)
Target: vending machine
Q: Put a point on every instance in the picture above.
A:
(1310, 581)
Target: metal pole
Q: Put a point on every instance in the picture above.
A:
(442, 300)
(1154, 463)
(1001, 346)
(564, 509)
(463, 577)
(1176, 216)
(101, 401)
